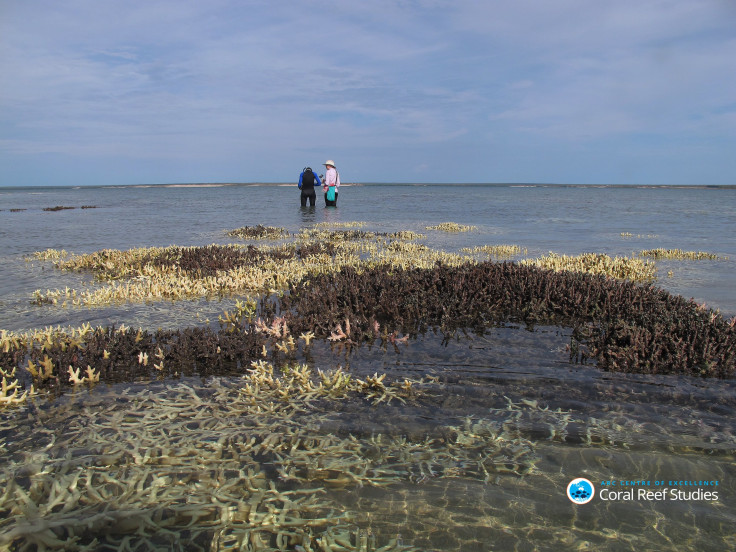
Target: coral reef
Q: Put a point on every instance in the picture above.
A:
(246, 462)
(624, 268)
(679, 254)
(52, 358)
(155, 273)
(624, 326)
(350, 286)
(496, 251)
(243, 464)
(62, 208)
(451, 227)
(259, 232)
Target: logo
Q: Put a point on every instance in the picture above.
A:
(580, 491)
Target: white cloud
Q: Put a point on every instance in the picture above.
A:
(212, 80)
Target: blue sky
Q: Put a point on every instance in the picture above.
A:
(566, 91)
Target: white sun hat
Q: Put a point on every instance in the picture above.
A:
(329, 163)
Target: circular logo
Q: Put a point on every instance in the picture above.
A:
(580, 491)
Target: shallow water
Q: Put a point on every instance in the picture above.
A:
(509, 388)
(479, 460)
(564, 220)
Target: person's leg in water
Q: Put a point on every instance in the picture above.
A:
(332, 203)
(312, 197)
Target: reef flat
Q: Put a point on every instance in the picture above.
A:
(354, 287)
(260, 454)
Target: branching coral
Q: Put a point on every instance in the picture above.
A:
(243, 464)
(679, 254)
(10, 389)
(259, 232)
(451, 227)
(376, 281)
(623, 325)
(497, 251)
(624, 268)
(147, 274)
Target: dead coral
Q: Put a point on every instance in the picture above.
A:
(259, 232)
(624, 268)
(679, 254)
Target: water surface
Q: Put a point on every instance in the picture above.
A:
(510, 396)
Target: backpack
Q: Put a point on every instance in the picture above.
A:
(308, 180)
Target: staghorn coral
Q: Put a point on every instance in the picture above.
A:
(386, 287)
(348, 224)
(116, 354)
(244, 464)
(596, 263)
(10, 389)
(146, 274)
(496, 251)
(321, 234)
(623, 325)
(451, 227)
(406, 235)
(259, 232)
(50, 254)
(679, 254)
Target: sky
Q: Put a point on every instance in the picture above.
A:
(110, 92)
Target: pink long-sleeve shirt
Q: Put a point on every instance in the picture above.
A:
(332, 178)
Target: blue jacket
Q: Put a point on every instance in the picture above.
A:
(316, 178)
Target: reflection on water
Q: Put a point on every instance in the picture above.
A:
(309, 214)
(480, 460)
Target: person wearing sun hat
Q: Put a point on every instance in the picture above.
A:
(330, 180)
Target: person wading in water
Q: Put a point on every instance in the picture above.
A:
(307, 182)
(331, 183)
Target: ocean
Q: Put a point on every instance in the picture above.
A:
(514, 386)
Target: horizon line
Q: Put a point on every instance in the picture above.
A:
(281, 183)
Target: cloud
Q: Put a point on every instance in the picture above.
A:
(229, 82)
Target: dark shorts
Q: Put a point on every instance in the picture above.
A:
(308, 194)
(331, 203)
